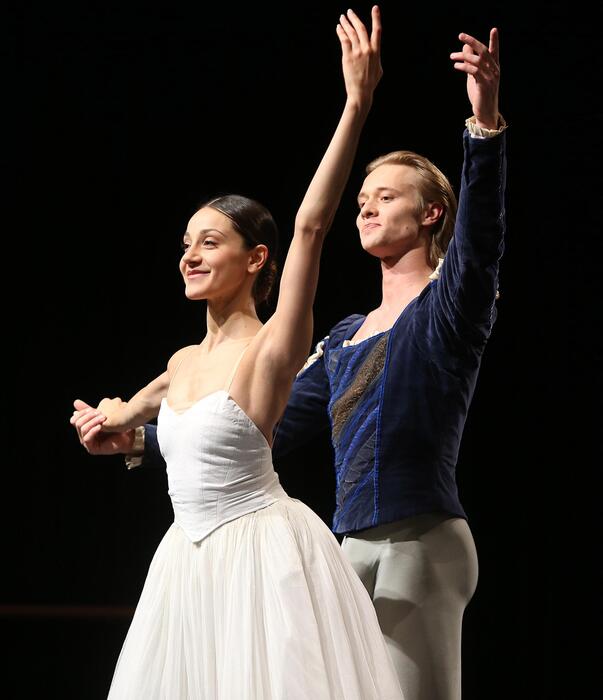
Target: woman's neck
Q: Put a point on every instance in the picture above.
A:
(228, 322)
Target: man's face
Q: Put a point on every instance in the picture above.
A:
(390, 217)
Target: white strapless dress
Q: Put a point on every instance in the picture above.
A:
(249, 596)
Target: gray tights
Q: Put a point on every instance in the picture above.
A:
(420, 572)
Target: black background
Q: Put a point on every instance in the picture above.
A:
(123, 118)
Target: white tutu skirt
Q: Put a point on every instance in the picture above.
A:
(264, 608)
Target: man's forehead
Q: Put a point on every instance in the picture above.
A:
(394, 175)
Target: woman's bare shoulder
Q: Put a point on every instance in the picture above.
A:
(178, 356)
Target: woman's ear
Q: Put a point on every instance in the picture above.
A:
(257, 258)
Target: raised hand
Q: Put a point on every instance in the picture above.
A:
(482, 66)
(361, 55)
(88, 422)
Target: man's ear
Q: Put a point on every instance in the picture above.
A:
(432, 213)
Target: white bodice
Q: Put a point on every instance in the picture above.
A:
(219, 464)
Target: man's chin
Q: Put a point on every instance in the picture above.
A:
(373, 249)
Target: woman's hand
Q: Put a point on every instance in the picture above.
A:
(88, 422)
(361, 55)
(114, 411)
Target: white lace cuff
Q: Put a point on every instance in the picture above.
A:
(134, 459)
(479, 132)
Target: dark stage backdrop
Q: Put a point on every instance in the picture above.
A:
(124, 117)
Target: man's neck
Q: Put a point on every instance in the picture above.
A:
(403, 279)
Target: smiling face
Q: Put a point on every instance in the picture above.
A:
(216, 261)
(391, 220)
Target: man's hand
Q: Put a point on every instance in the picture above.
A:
(482, 66)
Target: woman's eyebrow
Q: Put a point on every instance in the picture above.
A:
(212, 230)
(205, 231)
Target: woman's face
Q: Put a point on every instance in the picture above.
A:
(215, 263)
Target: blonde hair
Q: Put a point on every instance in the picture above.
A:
(434, 187)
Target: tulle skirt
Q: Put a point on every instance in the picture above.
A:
(264, 608)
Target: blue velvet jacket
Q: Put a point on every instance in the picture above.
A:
(396, 403)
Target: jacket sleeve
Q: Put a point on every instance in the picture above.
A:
(306, 414)
(464, 296)
(152, 457)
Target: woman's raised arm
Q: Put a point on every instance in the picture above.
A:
(289, 331)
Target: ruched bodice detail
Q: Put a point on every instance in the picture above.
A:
(219, 464)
